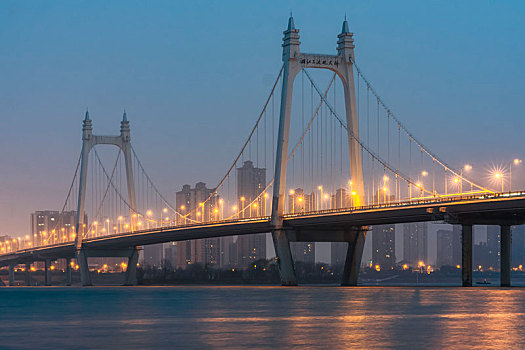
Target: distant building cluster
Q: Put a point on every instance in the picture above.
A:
(224, 252)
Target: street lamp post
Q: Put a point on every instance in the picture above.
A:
(515, 162)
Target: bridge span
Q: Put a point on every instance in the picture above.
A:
(337, 225)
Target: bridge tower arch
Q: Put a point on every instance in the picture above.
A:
(122, 141)
(342, 64)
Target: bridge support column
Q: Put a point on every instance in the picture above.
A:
(466, 255)
(68, 271)
(12, 274)
(284, 258)
(47, 275)
(505, 255)
(28, 275)
(131, 269)
(356, 244)
(85, 277)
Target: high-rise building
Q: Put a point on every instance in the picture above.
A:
(445, 248)
(493, 245)
(251, 202)
(300, 202)
(341, 199)
(303, 252)
(7, 244)
(198, 205)
(153, 255)
(518, 245)
(52, 226)
(456, 245)
(338, 252)
(170, 253)
(384, 246)
(415, 243)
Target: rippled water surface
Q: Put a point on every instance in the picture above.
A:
(261, 317)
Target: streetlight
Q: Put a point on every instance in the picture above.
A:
(467, 167)
(242, 206)
(516, 162)
(292, 193)
(499, 176)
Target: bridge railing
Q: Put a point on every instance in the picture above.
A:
(406, 203)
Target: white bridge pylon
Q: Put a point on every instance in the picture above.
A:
(89, 141)
(341, 63)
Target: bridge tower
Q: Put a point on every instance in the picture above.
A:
(342, 64)
(122, 141)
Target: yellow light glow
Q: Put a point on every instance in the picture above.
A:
(385, 178)
(405, 266)
(319, 187)
(243, 199)
(517, 161)
(467, 167)
(424, 173)
(377, 267)
(165, 210)
(292, 192)
(353, 193)
(300, 199)
(182, 207)
(266, 195)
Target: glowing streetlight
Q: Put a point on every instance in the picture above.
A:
(499, 176)
(515, 162)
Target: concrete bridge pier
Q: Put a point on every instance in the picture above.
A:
(28, 275)
(68, 271)
(356, 244)
(11, 274)
(466, 255)
(85, 277)
(505, 255)
(131, 269)
(47, 274)
(284, 258)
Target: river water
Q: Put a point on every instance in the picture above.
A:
(219, 317)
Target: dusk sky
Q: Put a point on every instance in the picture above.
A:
(193, 76)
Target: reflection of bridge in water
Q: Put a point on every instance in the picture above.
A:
(393, 179)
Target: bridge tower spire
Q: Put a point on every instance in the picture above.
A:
(342, 64)
(122, 141)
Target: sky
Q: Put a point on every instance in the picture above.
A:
(194, 74)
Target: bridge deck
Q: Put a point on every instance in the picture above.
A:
(503, 208)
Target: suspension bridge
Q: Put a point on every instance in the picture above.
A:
(342, 161)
